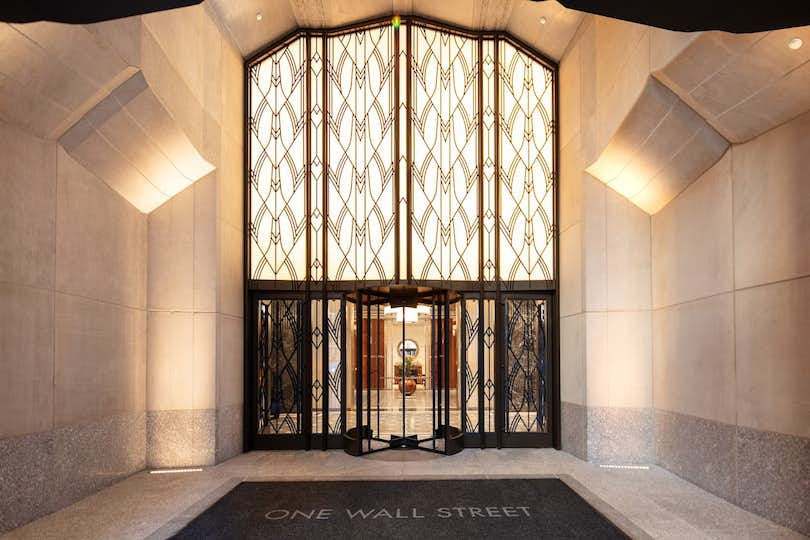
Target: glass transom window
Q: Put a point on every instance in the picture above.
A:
(415, 153)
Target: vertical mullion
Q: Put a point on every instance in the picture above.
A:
(481, 232)
(368, 370)
(500, 406)
(325, 368)
(343, 374)
(324, 296)
(409, 154)
(480, 103)
(462, 398)
(434, 360)
(396, 77)
(482, 411)
(308, 157)
(358, 382)
(446, 336)
(377, 364)
(308, 356)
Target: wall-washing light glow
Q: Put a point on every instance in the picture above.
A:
(171, 471)
(632, 467)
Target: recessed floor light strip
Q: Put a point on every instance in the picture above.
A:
(635, 467)
(169, 471)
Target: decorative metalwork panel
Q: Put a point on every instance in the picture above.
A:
(526, 167)
(360, 137)
(445, 126)
(478, 350)
(316, 157)
(277, 141)
(336, 346)
(280, 362)
(488, 375)
(525, 389)
(385, 154)
(318, 342)
(469, 350)
(489, 205)
(466, 122)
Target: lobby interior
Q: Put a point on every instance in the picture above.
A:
(671, 290)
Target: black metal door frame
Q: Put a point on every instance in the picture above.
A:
(311, 288)
(296, 441)
(551, 437)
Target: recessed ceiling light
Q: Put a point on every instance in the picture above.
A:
(543, 20)
(259, 16)
(795, 43)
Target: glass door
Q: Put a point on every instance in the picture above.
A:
(404, 371)
(526, 414)
(280, 415)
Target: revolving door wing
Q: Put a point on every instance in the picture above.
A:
(404, 396)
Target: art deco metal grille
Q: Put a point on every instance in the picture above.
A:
(478, 352)
(387, 154)
(445, 126)
(526, 167)
(526, 362)
(416, 154)
(278, 171)
(360, 138)
(280, 361)
(336, 350)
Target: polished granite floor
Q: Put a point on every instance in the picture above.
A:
(653, 503)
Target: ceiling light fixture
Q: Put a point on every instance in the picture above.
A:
(259, 16)
(543, 20)
(795, 43)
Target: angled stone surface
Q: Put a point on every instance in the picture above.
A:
(742, 84)
(132, 142)
(660, 148)
(52, 74)
(521, 18)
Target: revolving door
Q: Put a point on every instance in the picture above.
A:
(404, 378)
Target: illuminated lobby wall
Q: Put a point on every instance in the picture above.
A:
(681, 330)
(605, 292)
(72, 330)
(120, 331)
(731, 299)
(194, 369)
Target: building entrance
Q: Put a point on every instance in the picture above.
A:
(404, 374)
(401, 366)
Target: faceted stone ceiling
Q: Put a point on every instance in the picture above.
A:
(521, 18)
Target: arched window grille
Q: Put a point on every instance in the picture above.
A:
(419, 154)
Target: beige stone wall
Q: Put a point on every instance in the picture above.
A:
(731, 286)
(604, 254)
(194, 394)
(120, 332)
(72, 330)
(681, 332)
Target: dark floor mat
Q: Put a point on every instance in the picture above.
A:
(508, 508)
